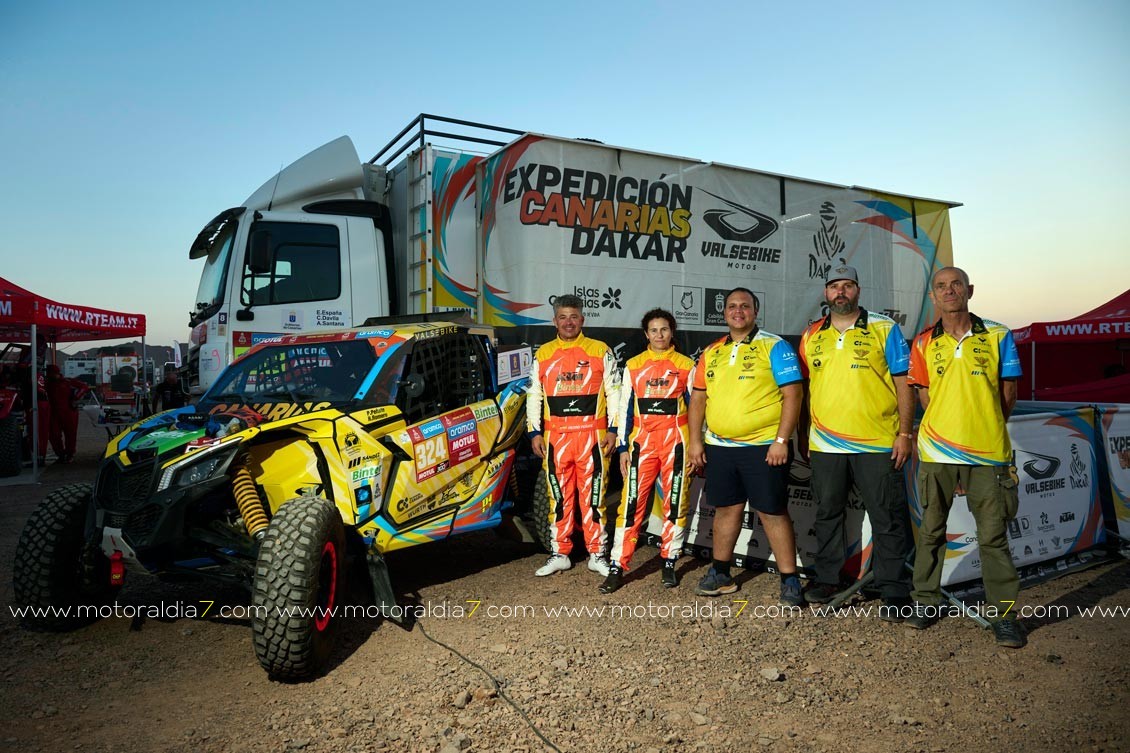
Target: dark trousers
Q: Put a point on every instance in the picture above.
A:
(884, 498)
(990, 491)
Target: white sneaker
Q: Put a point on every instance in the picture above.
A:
(555, 564)
(598, 563)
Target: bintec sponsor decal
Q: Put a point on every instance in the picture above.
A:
(618, 216)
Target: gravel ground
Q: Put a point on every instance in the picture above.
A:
(677, 675)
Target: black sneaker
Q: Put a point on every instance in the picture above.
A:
(922, 616)
(613, 581)
(1010, 634)
(715, 583)
(790, 592)
(667, 572)
(820, 593)
(895, 609)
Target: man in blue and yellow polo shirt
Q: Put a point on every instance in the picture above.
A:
(965, 370)
(861, 412)
(747, 386)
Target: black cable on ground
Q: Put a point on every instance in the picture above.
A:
(497, 686)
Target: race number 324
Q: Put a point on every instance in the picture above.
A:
(430, 453)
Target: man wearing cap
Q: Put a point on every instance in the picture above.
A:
(747, 386)
(965, 370)
(860, 415)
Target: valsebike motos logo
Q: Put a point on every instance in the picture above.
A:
(1040, 466)
(618, 216)
(747, 228)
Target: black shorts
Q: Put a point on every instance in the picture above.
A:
(737, 474)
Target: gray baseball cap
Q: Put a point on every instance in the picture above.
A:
(843, 272)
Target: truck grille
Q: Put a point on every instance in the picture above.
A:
(124, 489)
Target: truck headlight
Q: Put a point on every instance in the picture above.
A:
(198, 466)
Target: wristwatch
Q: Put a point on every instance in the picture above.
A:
(781, 440)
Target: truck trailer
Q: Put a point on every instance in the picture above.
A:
(331, 241)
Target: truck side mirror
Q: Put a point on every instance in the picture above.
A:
(259, 252)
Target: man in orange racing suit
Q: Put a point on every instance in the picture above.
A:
(573, 382)
(652, 417)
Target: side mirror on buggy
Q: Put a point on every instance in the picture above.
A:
(413, 385)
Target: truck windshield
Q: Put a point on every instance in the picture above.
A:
(296, 372)
(210, 294)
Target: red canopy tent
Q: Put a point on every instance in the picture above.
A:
(27, 317)
(21, 310)
(1080, 358)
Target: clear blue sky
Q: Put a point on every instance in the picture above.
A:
(125, 127)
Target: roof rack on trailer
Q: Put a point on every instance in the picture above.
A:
(419, 138)
(455, 316)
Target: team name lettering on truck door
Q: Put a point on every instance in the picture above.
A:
(615, 216)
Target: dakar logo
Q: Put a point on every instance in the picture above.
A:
(1079, 477)
(826, 243)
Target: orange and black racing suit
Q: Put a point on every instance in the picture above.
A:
(572, 386)
(653, 428)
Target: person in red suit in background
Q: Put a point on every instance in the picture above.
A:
(63, 395)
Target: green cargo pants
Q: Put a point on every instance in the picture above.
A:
(993, 499)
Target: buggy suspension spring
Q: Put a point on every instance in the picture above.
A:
(249, 504)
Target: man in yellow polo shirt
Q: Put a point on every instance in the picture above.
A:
(747, 387)
(861, 411)
(965, 370)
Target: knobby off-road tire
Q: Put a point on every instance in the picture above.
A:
(54, 565)
(540, 511)
(10, 451)
(298, 583)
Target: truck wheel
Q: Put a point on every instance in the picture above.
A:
(298, 586)
(55, 568)
(10, 450)
(540, 511)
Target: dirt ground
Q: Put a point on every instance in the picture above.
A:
(668, 675)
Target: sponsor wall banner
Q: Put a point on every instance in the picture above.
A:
(1060, 511)
(560, 216)
(1115, 437)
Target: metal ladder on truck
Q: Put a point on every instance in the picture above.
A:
(421, 207)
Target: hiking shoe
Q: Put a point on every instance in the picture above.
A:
(613, 581)
(598, 563)
(667, 572)
(715, 583)
(895, 609)
(1010, 634)
(790, 591)
(820, 593)
(922, 616)
(555, 564)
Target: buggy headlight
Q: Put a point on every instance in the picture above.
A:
(198, 466)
